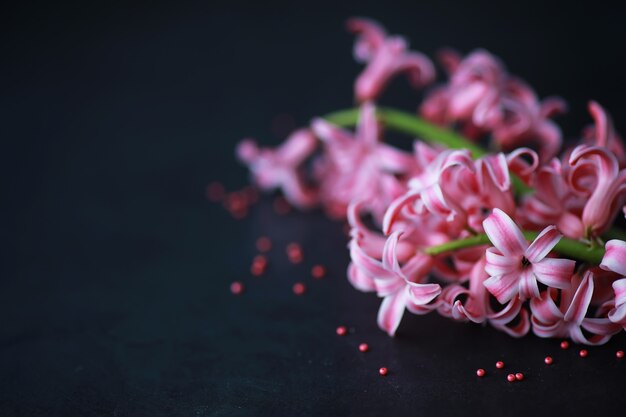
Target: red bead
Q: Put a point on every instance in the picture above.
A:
(583, 353)
(299, 288)
(510, 377)
(619, 354)
(341, 330)
(383, 371)
(264, 244)
(548, 360)
(499, 364)
(294, 253)
(564, 344)
(480, 372)
(259, 264)
(236, 287)
(318, 271)
(519, 376)
(363, 347)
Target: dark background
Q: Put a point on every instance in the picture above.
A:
(115, 270)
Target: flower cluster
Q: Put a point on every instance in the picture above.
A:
(516, 238)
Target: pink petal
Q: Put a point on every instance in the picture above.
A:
(359, 280)
(577, 336)
(600, 326)
(298, 146)
(367, 128)
(503, 287)
(580, 302)
(421, 294)
(507, 314)
(519, 330)
(619, 287)
(543, 244)
(390, 261)
(548, 329)
(618, 315)
(504, 233)
(615, 257)
(498, 264)
(391, 312)
(555, 273)
(371, 37)
(545, 310)
(528, 285)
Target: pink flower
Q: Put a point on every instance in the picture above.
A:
(614, 260)
(373, 269)
(566, 317)
(594, 174)
(603, 133)
(477, 306)
(280, 168)
(358, 166)
(385, 57)
(515, 267)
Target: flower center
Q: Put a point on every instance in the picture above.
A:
(525, 262)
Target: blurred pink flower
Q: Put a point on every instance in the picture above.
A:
(614, 260)
(385, 56)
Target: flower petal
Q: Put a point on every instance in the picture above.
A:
(422, 294)
(503, 287)
(545, 310)
(528, 285)
(504, 233)
(498, 264)
(520, 329)
(615, 257)
(391, 312)
(543, 244)
(619, 287)
(555, 273)
(580, 302)
(359, 280)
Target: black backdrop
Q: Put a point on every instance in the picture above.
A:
(114, 295)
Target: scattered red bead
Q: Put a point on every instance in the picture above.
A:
(619, 354)
(480, 372)
(548, 360)
(281, 206)
(564, 344)
(341, 330)
(263, 244)
(299, 288)
(318, 271)
(215, 191)
(259, 265)
(236, 288)
(294, 253)
(519, 376)
(364, 347)
(510, 378)
(499, 364)
(383, 371)
(583, 353)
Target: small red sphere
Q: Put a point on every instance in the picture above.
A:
(383, 371)
(236, 287)
(519, 376)
(299, 288)
(341, 330)
(510, 378)
(583, 353)
(564, 344)
(548, 360)
(619, 354)
(499, 364)
(364, 347)
(264, 244)
(318, 271)
(294, 253)
(480, 372)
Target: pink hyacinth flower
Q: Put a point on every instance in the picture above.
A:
(615, 260)
(594, 172)
(567, 317)
(514, 266)
(279, 168)
(385, 57)
(603, 132)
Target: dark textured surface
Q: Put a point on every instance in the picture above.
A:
(114, 277)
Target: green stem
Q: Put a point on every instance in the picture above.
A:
(571, 248)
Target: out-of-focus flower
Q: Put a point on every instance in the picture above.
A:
(280, 168)
(385, 56)
(514, 266)
(614, 260)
